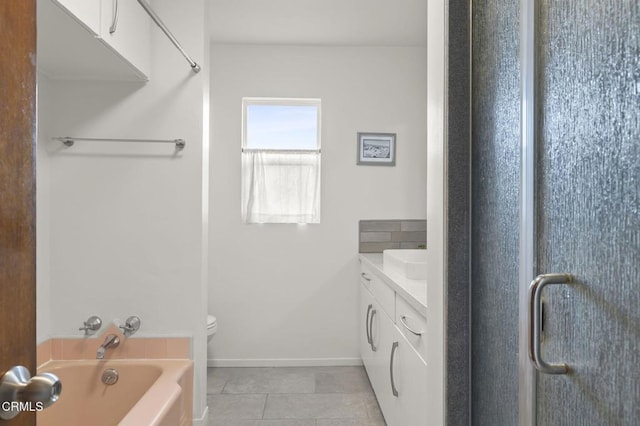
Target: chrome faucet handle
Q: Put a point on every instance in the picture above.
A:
(131, 325)
(91, 325)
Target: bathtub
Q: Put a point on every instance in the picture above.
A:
(148, 392)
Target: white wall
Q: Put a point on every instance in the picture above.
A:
(126, 220)
(437, 205)
(326, 22)
(288, 294)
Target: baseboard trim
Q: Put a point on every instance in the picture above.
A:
(285, 362)
(204, 419)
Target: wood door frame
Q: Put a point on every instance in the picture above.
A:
(17, 189)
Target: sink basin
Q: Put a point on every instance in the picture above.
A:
(409, 263)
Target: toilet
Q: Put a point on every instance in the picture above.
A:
(212, 327)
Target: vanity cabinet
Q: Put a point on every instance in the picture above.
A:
(94, 40)
(397, 372)
(85, 12)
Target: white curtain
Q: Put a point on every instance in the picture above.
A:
(280, 187)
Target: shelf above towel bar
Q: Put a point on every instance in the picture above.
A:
(69, 141)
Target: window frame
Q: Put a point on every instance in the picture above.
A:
(249, 101)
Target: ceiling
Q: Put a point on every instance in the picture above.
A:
(320, 22)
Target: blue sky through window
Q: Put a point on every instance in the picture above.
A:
(282, 127)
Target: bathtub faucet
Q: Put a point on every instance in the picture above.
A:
(112, 341)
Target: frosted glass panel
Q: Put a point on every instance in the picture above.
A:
(589, 209)
(495, 220)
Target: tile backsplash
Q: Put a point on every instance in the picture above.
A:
(378, 235)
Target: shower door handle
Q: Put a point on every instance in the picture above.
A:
(21, 392)
(535, 321)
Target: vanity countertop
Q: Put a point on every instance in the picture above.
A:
(413, 291)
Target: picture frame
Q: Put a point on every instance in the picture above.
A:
(376, 149)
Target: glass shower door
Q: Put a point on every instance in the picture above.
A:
(495, 213)
(587, 191)
(576, 181)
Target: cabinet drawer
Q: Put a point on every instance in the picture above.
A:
(413, 326)
(381, 291)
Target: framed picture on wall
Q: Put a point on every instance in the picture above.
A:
(377, 149)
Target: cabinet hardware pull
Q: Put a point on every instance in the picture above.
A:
(114, 21)
(365, 276)
(393, 382)
(366, 323)
(403, 320)
(373, 314)
(535, 322)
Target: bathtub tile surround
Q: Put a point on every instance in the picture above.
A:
(378, 235)
(139, 348)
(291, 396)
(134, 348)
(44, 352)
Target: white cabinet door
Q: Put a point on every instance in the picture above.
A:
(410, 380)
(126, 28)
(86, 12)
(373, 337)
(366, 304)
(382, 336)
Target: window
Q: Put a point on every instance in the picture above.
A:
(280, 160)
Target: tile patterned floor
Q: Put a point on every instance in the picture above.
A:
(292, 396)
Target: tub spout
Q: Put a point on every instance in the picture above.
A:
(112, 341)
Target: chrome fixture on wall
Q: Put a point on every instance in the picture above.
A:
(69, 141)
(111, 341)
(131, 325)
(194, 66)
(91, 325)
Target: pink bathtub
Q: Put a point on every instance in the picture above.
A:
(148, 392)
